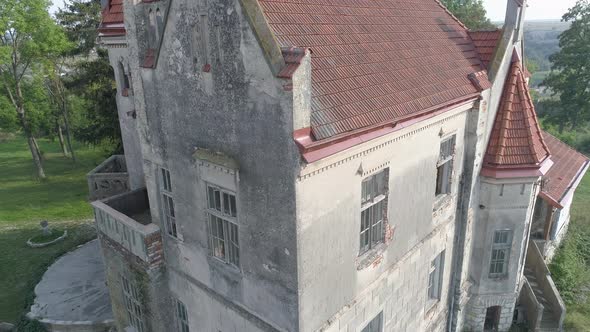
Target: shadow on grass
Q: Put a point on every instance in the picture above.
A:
(22, 267)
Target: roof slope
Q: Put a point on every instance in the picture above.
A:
(376, 60)
(485, 43)
(568, 163)
(112, 23)
(516, 141)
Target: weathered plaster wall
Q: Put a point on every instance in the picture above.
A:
(242, 110)
(151, 285)
(504, 205)
(339, 290)
(125, 107)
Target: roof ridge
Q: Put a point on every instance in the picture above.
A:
(451, 14)
(566, 144)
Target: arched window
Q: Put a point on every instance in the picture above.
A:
(124, 76)
(159, 24)
(152, 30)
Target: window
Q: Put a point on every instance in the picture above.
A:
(124, 80)
(373, 210)
(435, 277)
(500, 253)
(375, 325)
(444, 167)
(182, 317)
(222, 212)
(133, 305)
(168, 211)
(152, 29)
(200, 42)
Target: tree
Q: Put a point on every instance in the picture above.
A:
(570, 67)
(93, 81)
(28, 35)
(471, 12)
(80, 19)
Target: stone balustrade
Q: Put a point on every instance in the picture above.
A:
(125, 220)
(108, 179)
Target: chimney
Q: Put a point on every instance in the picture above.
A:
(514, 21)
(512, 33)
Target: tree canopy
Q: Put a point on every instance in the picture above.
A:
(80, 19)
(570, 67)
(471, 12)
(28, 37)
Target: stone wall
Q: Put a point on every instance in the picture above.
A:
(234, 105)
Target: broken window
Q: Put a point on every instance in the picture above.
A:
(373, 210)
(133, 304)
(375, 325)
(182, 317)
(444, 167)
(168, 211)
(435, 277)
(222, 212)
(501, 247)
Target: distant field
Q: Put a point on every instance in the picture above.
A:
(25, 201)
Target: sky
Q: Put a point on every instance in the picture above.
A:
(537, 10)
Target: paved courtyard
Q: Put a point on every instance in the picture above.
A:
(73, 289)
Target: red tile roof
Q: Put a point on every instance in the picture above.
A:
(568, 164)
(375, 60)
(485, 43)
(516, 141)
(112, 19)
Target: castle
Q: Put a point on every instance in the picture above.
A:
(327, 165)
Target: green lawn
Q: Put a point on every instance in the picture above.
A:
(25, 201)
(571, 266)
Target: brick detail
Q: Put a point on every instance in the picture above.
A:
(153, 243)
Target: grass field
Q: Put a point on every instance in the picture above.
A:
(571, 266)
(25, 201)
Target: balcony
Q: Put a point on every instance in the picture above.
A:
(108, 179)
(126, 221)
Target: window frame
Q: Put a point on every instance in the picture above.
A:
(168, 207)
(500, 247)
(378, 319)
(435, 278)
(373, 199)
(445, 166)
(222, 225)
(182, 320)
(133, 305)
